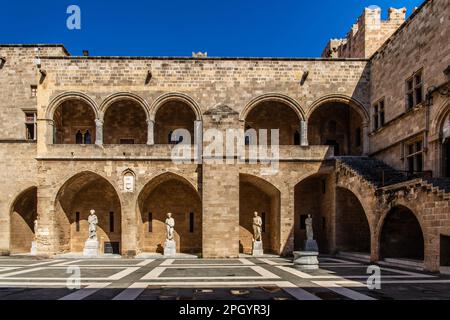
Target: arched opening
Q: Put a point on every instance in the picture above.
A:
(74, 123)
(401, 235)
(125, 122)
(23, 215)
(256, 194)
(313, 196)
(170, 193)
(352, 227)
(275, 115)
(339, 125)
(75, 199)
(173, 115)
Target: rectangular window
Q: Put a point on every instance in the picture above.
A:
(263, 218)
(375, 117)
(77, 221)
(414, 157)
(111, 221)
(30, 125)
(324, 223)
(33, 91)
(381, 114)
(378, 115)
(150, 222)
(191, 222)
(414, 90)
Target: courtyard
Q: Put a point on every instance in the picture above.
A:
(247, 278)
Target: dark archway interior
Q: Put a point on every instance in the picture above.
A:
(23, 215)
(352, 228)
(275, 115)
(258, 195)
(337, 125)
(125, 122)
(171, 116)
(74, 123)
(401, 236)
(170, 193)
(445, 251)
(313, 196)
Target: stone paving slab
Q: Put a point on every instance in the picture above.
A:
(222, 279)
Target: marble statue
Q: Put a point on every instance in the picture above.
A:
(257, 227)
(309, 228)
(170, 224)
(91, 246)
(93, 221)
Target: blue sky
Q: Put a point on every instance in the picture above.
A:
(244, 28)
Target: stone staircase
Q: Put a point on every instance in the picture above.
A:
(379, 174)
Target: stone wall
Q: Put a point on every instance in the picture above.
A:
(366, 35)
(421, 44)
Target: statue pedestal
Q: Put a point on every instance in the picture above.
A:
(311, 245)
(91, 248)
(257, 248)
(33, 250)
(170, 248)
(306, 260)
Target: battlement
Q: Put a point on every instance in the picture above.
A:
(366, 35)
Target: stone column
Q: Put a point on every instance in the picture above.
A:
(198, 141)
(304, 133)
(98, 132)
(365, 139)
(150, 132)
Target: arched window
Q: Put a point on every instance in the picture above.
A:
(79, 137)
(87, 137)
(297, 138)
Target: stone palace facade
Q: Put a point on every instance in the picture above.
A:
(363, 146)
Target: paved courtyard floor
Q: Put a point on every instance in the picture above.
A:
(199, 279)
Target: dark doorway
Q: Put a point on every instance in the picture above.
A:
(445, 251)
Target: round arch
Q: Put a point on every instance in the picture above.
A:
(68, 96)
(276, 97)
(124, 96)
(175, 96)
(339, 98)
